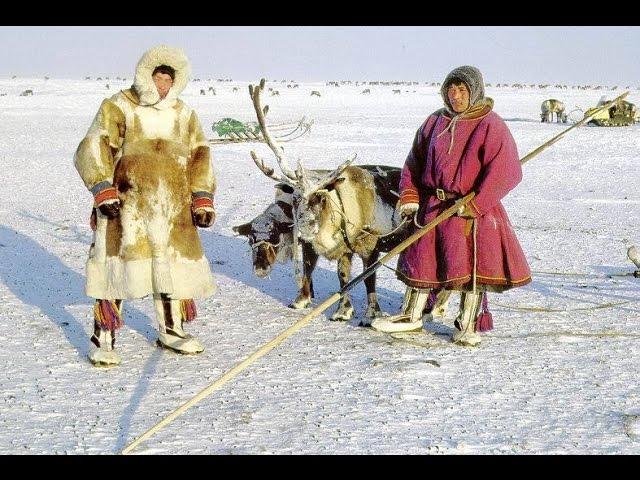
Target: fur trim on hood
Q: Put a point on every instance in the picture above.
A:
(143, 83)
(472, 77)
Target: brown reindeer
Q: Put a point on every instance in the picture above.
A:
(347, 211)
(270, 235)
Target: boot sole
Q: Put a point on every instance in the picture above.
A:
(103, 364)
(465, 344)
(175, 350)
(412, 329)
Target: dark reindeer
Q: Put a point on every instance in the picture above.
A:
(335, 214)
(270, 234)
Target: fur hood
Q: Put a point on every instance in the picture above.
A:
(143, 83)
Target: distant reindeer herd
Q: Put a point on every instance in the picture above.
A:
(551, 110)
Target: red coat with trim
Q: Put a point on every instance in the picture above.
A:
(484, 159)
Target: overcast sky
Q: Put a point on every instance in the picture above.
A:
(572, 55)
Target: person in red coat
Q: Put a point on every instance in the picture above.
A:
(462, 148)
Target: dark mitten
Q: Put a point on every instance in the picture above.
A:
(110, 210)
(204, 218)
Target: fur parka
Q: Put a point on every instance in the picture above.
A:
(155, 154)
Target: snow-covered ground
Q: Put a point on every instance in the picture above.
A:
(543, 382)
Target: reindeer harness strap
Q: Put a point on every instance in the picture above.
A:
(343, 223)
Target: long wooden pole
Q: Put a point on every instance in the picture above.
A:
(262, 351)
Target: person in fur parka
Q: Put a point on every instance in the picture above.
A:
(147, 163)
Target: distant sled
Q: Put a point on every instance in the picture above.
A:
(229, 130)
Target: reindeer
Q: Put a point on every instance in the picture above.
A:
(551, 106)
(336, 214)
(315, 93)
(366, 91)
(270, 234)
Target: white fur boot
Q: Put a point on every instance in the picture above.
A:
(465, 323)
(411, 317)
(172, 335)
(102, 353)
(440, 307)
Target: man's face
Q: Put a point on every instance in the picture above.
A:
(163, 82)
(458, 97)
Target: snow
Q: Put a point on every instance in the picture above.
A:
(542, 382)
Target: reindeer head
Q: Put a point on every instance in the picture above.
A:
(264, 245)
(270, 234)
(315, 207)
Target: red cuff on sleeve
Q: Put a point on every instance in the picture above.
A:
(201, 202)
(105, 195)
(409, 196)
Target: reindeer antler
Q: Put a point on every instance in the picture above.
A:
(277, 150)
(268, 171)
(330, 178)
(298, 178)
